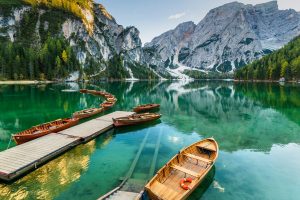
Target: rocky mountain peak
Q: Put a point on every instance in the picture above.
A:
(268, 7)
(228, 37)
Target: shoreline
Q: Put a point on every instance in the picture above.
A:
(264, 81)
(34, 82)
(24, 82)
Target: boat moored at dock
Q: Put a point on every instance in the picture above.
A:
(44, 129)
(87, 113)
(184, 172)
(136, 119)
(146, 107)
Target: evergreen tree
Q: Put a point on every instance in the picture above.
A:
(282, 63)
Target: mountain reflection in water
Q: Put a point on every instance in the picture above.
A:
(256, 125)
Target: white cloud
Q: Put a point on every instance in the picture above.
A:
(177, 16)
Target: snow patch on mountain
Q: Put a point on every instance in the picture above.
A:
(228, 37)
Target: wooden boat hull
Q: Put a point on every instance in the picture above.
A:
(129, 122)
(107, 104)
(85, 113)
(19, 139)
(101, 93)
(111, 100)
(195, 161)
(94, 92)
(147, 107)
(83, 90)
(38, 131)
(109, 96)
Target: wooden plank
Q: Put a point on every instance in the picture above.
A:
(22, 158)
(7, 167)
(184, 170)
(197, 157)
(9, 159)
(4, 171)
(116, 114)
(10, 163)
(16, 158)
(41, 148)
(87, 129)
(163, 191)
(207, 145)
(13, 157)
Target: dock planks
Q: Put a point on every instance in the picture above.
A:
(21, 159)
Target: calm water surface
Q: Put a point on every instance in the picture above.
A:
(257, 127)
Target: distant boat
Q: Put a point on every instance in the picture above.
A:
(111, 99)
(184, 172)
(95, 92)
(69, 90)
(146, 107)
(101, 93)
(87, 113)
(136, 119)
(44, 129)
(107, 104)
(108, 95)
(83, 90)
(282, 79)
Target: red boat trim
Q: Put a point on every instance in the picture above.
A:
(3, 173)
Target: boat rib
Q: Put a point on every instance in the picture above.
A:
(193, 162)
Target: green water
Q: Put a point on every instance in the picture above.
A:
(257, 127)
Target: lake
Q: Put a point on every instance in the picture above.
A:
(257, 126)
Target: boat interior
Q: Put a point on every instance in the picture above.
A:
(193, 162)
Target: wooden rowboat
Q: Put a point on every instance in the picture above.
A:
(136, 119)
(95, 92)
(146, 107)
(109, 96)
(44, 129)
(111, 99)
(184, 172)
(83, 90)
(107, 104)
(105, 93)
(101, 93)
(87, 113)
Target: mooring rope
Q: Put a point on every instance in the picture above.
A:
(9, 142)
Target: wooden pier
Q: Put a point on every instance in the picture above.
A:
(21, 159)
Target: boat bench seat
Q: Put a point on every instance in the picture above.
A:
(206, 146)
(197, 158)
(187, 171)
(163, 191)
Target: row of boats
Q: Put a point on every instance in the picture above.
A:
(108, 103)
(176, 180)
(62, 124)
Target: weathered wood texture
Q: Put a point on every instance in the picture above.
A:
(20, 159)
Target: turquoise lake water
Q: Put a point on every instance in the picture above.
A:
(257, 127)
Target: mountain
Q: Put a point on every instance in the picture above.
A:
(283, 63)
(229, 37)
(54, 39)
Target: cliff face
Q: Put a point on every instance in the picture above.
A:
(228, 37)
(97, 42)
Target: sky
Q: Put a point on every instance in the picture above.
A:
(154, 17)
